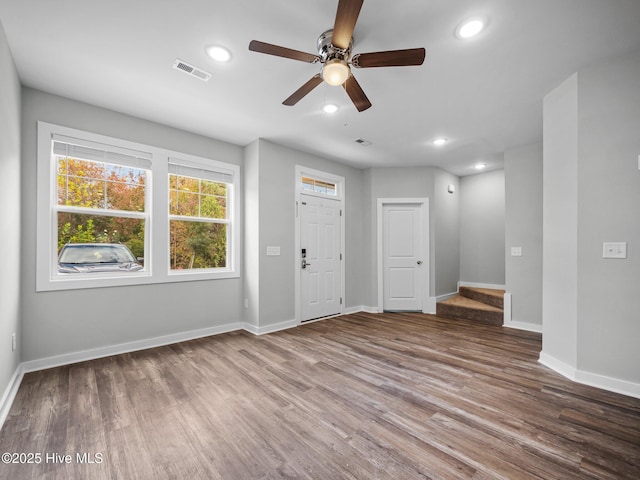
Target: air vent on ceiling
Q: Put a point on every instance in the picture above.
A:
(363, 142)
(191, 70)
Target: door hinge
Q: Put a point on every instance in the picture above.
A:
(340, 212)
(340, 256)
(340, 300)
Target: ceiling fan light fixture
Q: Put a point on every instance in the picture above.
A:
(439, 142)
(470, 28)
(219, 53)
(480, 166)
(335, 72)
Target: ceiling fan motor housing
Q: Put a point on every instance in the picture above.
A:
(327, 51)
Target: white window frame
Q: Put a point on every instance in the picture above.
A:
(157, 269)
(226, 174)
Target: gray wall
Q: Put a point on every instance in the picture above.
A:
(523, 228)
(273, 203)
(444, 221)
(560, 228)
(416, 182)
(591, 196)
(61, 322)
(482, 217)
(609, 210)
(10, 218)
(447, 233)
(251, 243)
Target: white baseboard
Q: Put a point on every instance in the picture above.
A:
(559, 366)
(607, 383)
(603, 382)
(92, 354)
(529, 327)
(9, 394)
(481, 285)
(276, 327)
(371, 309)
(360, 308)
(350, 310)
(510, 323)
(446, 296)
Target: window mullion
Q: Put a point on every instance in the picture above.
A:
(187, 218)
(99, 211)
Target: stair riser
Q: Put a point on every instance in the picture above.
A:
(492, 300)
(490, 318)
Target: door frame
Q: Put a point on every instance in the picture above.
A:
(426, 270)
(340, 196)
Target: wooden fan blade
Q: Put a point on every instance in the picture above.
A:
(356, 94)
(345, 23)
(269, 49)
(390, 58)
(303, 90)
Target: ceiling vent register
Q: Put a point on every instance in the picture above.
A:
(191, 70)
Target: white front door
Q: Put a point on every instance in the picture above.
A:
(402, 257)
(321, 275)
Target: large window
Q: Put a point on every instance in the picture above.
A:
(105, 217)
(198, 219)
(101, 199)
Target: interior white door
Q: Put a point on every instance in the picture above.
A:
(321, 275)
(402, 256)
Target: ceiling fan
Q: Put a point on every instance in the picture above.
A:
(334, 53)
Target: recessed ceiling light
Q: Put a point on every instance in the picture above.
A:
(330, 108)
(481, 166)
(470, 28)
(218, 53)
(438, 142)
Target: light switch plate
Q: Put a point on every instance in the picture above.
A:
(273, 251)
(614, 250)
(516, 251)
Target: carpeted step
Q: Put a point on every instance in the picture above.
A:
(466, 308)
(490, 296)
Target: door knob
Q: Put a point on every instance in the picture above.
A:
(419, 262)
(304, 263)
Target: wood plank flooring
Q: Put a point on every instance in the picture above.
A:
(394, 396)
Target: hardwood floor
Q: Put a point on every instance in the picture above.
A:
(394, 396)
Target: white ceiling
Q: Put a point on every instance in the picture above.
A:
(484, 94)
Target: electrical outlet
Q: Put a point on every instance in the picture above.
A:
(516, 251)
(14, 342)
(614, 250)
(273, 251)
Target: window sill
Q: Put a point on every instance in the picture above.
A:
(102, 281)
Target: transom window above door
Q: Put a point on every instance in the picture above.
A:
(317, 185)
